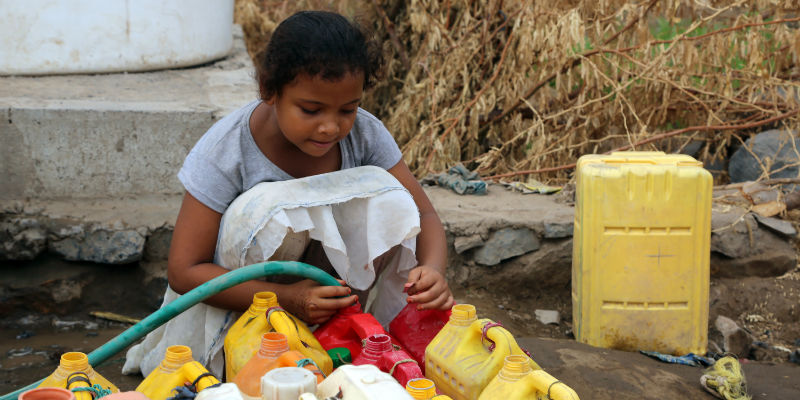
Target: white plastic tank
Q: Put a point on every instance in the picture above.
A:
(89, 36)
(362, 382)
(226, 391)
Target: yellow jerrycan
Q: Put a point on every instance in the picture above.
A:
(421, 388)
(244, 338)
(467, 353)
(72, 372)
(517, 381)
(176, 369)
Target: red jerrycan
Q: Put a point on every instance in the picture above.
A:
(379, 351)
(414, 329)
(349, 328)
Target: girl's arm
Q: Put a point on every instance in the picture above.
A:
(191, 264)
(426, 283)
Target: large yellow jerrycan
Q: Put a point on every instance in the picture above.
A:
(244, 338)
(467, 353)
(74, 367)
(517, 381)
(176, 369)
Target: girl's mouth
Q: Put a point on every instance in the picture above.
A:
(322, 144)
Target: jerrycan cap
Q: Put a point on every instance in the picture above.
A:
(340, 356)
(421, 388)
(463, 314)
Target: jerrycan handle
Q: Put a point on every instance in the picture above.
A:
(290, 338)
(486, 335)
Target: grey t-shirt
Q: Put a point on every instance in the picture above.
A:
(226, 161)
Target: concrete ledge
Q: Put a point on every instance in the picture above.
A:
(113, 135)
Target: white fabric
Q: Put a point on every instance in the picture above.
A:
(357, 214)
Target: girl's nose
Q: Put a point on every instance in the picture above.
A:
(329, 128)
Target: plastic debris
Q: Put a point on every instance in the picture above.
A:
(532, 186)
(462, 181)
(690, 359)
(725, 379)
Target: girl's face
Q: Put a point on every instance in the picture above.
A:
(314, 114)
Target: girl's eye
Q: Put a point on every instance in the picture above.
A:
(348, 111)
(309, 112)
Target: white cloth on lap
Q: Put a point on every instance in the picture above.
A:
(357, 214)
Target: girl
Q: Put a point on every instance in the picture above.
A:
(306, 126)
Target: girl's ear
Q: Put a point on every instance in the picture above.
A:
(271, 100)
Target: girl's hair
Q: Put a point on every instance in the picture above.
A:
(316, 43)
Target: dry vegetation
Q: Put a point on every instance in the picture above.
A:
(523, 88)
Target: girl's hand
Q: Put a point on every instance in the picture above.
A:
(315, 304)
(428, 288)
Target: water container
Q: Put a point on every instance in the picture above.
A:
(79, 380)
(421, 388)
(467, 353)
(176, 369)
(340, 356)
(361, 382)
(47, 393)
(287, 383)
(244, 338)
(640, 267)
(517, 381)
(274, 353)
(378, 351)
(414, 329)
(225, 391)
(348, 328)
(74, 362)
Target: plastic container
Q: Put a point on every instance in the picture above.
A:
(348, 328)
(47, 393)
(73, 362)
(274, 353)
(378, 351)
(244, 338)
(467, 353)
(340, 356)
(361, 382)
(517, 381)
(414, 329)
(176, 369)
(225, 391)
(287, 383)
(421, 388)
(640, 269)
(79, 380)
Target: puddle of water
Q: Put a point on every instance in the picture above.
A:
(26, 360)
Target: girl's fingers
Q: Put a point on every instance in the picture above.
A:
(332, 304)
(331, 291)
(438, 303)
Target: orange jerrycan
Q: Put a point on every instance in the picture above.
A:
(74, 368)
(517, 381)
(176, 369)
(640, 265)
(244, 338)
(467, 353)
(274, 353)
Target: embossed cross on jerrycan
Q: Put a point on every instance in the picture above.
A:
(467, 353)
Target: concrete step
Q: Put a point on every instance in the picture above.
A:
(112, 135)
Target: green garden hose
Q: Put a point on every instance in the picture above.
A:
(192, 297)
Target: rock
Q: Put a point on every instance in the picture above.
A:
(548, 267)
(777, 225)
(740, 248)
(156, 247)
(548, 316)
(775, 145)
(100, 245)
(21, 238)
(735, 339)
(506, 243)
(464, 243)
(558, 229)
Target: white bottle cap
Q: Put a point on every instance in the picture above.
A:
(287, 383)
